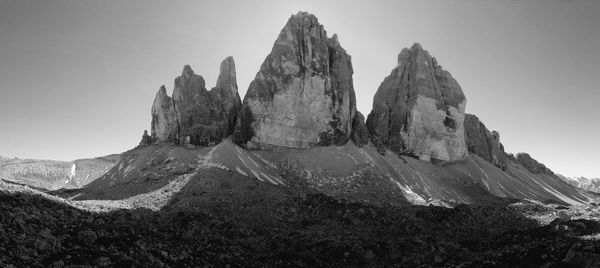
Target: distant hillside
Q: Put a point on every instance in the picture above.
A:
(51, 174)
(584, 183)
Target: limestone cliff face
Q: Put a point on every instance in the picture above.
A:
(419, 109)
(194, 113)
(164, 119)
(303, 94)
(484, 143)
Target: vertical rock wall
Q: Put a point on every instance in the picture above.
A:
(303, 94)
(419, 109)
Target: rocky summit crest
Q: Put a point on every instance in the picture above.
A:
(419, 109)
(195, 115)
(303, 95)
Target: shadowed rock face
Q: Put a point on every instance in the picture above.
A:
(419, 109)
(146, 140)
(360, 132)
(195, 112)
(198, 112)
(303, 94)
(484, 143)
(226, 93)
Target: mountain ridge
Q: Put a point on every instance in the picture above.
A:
(298, 122)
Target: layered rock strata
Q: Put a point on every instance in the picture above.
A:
(303, 94)
(419, 109)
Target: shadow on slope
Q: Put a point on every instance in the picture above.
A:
(311, 230)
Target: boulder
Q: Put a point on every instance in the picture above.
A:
(303, 94)
(419, 109)
(484, 143)
(195, 114)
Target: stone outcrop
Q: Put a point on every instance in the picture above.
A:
(146, 139)
(195, 114)
(303, 94)
(419, 109)
(484, 143)
(531, 164)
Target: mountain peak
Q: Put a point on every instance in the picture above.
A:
(419, 109)
(162, 90)
(303, 95)
(303, 24)
(303, 15)
(187, 70)
(415, 52)
(227, 75)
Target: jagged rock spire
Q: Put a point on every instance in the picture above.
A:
(164, 120)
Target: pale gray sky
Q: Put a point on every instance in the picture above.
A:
(77, 78)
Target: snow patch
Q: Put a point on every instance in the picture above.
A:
(238, 170)
(73, 171)
(410, 195)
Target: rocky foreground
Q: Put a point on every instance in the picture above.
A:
(303, 231)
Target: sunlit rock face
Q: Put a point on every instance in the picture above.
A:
(419, 109)
(195, 114)
(164, 118)
(303, 94)
(484, 143)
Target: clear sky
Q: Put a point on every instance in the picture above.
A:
(77, 78)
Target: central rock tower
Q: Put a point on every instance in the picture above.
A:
(303, 94)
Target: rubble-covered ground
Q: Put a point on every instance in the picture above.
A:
(310, 230)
